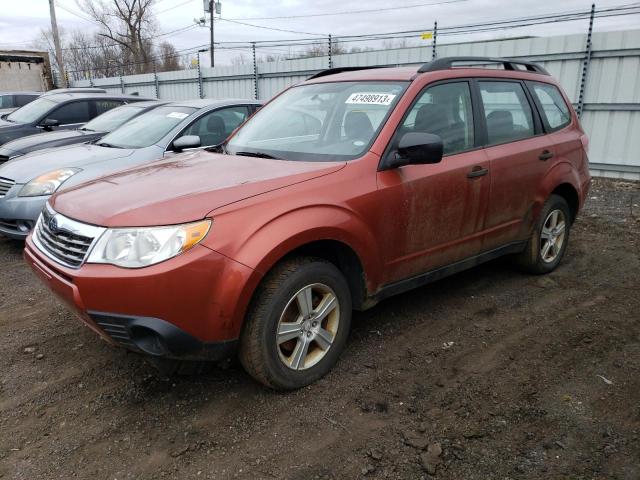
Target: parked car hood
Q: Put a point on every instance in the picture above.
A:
(180, 190)
(7, 130)
(27, 167)
(45, 140)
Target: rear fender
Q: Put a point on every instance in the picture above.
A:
(561, 173)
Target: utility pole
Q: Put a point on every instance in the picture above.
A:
(212, 7)
(56, 41)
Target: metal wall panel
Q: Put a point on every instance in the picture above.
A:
(611, 115)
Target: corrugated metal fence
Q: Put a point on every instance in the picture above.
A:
(611, 114)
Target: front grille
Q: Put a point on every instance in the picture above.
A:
(67, 247)
(5, 185)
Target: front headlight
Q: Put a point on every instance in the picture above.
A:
(141, 247)
(48, 183)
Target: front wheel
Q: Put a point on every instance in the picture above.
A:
(549, 239)
(297, 325)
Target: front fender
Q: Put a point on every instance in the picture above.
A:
(260, 247)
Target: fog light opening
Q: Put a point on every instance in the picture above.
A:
(149, 341)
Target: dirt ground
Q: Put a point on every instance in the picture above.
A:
(490, 374)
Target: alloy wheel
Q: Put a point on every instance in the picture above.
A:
(308, 326)
(552, 236)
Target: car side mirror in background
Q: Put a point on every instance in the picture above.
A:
(185, 142)
(415, 148)
(49, 123)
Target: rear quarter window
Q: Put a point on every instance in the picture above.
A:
(555, 111)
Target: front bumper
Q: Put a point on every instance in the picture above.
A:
(18, 215)
(188, 307)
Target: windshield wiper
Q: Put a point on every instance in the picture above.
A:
(107, 145)
(258, 155)
(85, 129)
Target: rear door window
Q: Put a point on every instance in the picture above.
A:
(22, 100)
(507, 111)
(556, 113)
(106, 105)
(70, 113)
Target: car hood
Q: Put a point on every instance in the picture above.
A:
(6, 129)
(41, 140)
(180, 190)
(27, 167)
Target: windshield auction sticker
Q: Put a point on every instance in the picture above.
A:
(178, 115)
(370, 98)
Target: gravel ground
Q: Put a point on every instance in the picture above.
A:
(490, 374)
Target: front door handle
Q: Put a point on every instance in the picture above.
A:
(545, 155)
(477, 171)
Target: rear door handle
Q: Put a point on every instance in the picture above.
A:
(545, 155)
(477, 171)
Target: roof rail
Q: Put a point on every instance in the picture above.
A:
(331, 71)
(445, 63)
(76, 90)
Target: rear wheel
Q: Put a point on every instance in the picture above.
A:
(549, 239)
(297, 325)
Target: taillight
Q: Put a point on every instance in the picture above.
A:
(585, 143)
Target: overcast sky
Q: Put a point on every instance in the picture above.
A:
(21, 20)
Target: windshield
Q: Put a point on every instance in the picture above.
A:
(32, 112)
(321, 122)
(112, 119)
(148, 128)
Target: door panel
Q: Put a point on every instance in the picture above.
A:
(519, 159)
(432, 215)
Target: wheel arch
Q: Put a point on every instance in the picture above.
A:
(563, 180)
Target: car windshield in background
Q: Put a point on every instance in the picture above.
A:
(112, 119)
(6, 101)
(148, 128)
(319, 122)
(32, 112)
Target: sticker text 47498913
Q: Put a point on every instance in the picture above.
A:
(370, 98)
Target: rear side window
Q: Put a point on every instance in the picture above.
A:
(74, 112)
(507, 111)
(22, 100)
(554, 108)
(106, 105)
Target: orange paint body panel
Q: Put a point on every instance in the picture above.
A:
(399, 223)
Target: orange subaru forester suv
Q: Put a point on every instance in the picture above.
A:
(352, 186)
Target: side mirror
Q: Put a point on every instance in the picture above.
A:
(49, 123)
(185, 142)
(415, 148)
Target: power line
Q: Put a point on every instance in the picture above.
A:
(265, 45)
(350, 12)
(174, 7)
(272, 28)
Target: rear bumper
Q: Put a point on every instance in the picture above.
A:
(189, 307)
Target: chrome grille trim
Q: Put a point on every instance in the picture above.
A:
(5, 185)
(70, 243)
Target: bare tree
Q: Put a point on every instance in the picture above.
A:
(127, 23)
(168, 58)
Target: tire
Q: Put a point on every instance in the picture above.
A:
(547, 244)
(306, 348)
